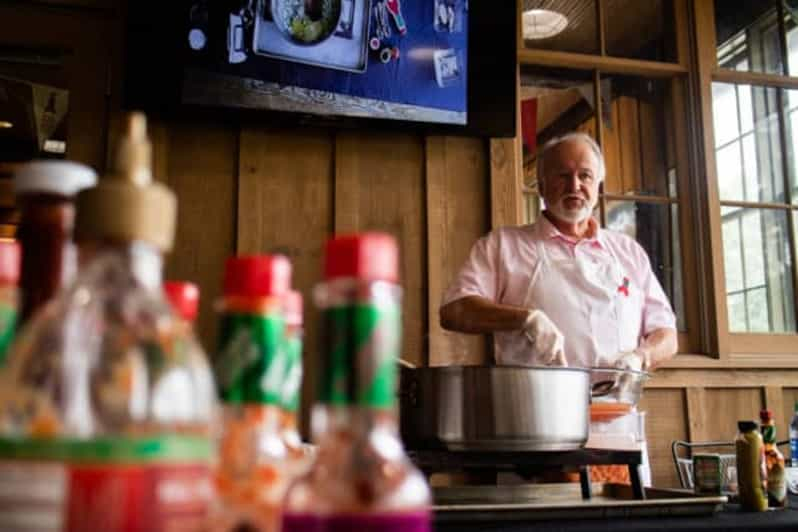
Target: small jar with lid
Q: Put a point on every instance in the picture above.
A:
(46, 193)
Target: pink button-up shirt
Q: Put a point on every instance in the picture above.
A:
(502, 267)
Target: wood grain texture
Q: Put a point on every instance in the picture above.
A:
(379, 186)
(457, 215)
(722, 378)
(505, 182)
(199, 165)
(696, 403)
(723, 408)
(665, 422)
(774, 400)
(285, 205)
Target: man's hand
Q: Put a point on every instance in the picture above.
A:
(637, 360)
(546, 339)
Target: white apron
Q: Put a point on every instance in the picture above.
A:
(595, 305)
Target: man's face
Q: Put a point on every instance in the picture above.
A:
(571, 181)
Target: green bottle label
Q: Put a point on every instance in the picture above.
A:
(769, 434)
(292, 348)
(8, 324)
(360, 366)
(250, 367)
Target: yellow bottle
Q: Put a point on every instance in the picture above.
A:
(751, 472)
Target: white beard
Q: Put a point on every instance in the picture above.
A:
(573, 216)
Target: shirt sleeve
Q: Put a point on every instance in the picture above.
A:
(657, 310)
(478, 275)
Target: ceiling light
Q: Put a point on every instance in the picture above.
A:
(542, 23)
(5, 124)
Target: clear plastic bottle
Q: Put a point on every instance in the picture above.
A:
(251, 477)
(92, 419)
(361, 479)
(9, 294)
(297, 459)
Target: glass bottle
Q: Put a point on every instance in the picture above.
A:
(250, 477)
(9, 298)
(794, 436)
(91, 416)
(774, 462)
(297, 459)
(751, 468)
(361, 479)
(45, 192)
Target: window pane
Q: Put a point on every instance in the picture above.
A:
(737, 314)
(654, 226)
(561, 25)
(791, 132)
(746, 108)
(730, 180)
(639, 140)
(747, 37)
(764, 277)
(792, 37)
(724, 113)
(749, 167)
(653, 36)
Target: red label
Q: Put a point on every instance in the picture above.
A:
(138, 498)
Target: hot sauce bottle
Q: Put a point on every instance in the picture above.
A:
(774, 461)
(249, 369)
(297, 459)
(362, 479)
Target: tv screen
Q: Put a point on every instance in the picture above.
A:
(395, 61)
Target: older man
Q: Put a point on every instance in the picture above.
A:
(563, 291)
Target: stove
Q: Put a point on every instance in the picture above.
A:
(525, 463)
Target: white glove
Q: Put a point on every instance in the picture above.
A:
(636, 360)
(546, 339)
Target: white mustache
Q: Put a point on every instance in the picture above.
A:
(573, 196)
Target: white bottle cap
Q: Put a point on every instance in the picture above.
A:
(65, 178)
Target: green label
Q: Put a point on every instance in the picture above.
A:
(171, 449)
(8, 323)
(769, 434)
(250, 367)
(362, 342)
(292, 348)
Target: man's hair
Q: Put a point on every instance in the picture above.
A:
(574, 135)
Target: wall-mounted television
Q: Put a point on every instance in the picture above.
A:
(446, 66)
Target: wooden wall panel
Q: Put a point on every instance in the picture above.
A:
(285, 205)
(379, 185)
(629, 143)
(457, 215)
(724, 407)
(198, 164)
(790, 397)
(611, 150)
(665, 422)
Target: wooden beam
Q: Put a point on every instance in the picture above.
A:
(754, 78)
(723, 378)
(606, 64)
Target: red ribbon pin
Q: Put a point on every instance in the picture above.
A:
(624, 288)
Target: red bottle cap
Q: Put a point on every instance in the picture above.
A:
(184, 298)
(765, 415)
(292, 307)
(370, 256)
(9, 261)
(257, 276)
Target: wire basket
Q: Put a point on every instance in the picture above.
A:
(728, 472)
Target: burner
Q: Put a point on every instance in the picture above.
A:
(438, 461)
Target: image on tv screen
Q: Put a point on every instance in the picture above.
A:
(390, 59)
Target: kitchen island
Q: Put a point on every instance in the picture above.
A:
(730, 518)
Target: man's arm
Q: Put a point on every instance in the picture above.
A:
(477, 315)
(658, 347)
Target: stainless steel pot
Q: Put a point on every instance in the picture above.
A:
(498, 408)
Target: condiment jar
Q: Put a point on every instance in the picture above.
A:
(45, 192)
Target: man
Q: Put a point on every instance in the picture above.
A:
(562, 291)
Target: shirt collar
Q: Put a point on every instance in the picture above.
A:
(547, 230)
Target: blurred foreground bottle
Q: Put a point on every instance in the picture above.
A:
(9, 294)
(362, 479)
(249, 368)
(100, 418)
(297, 460)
